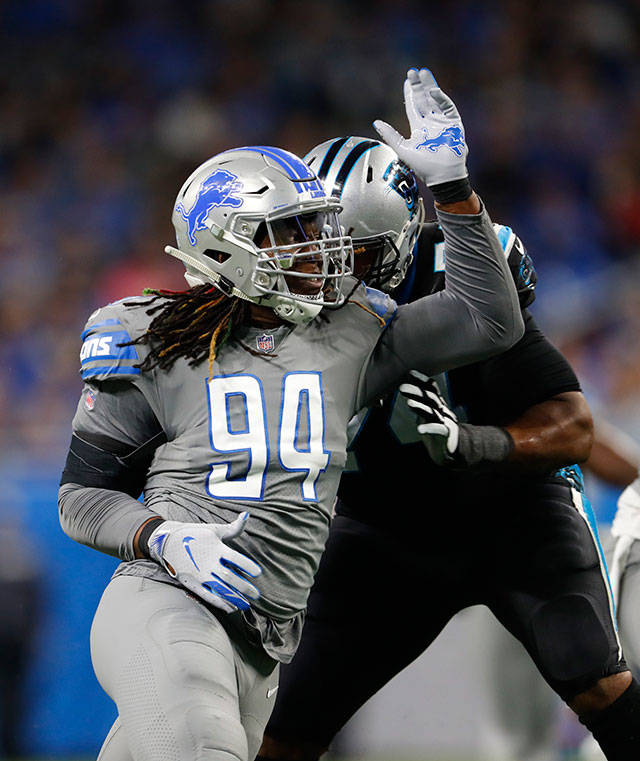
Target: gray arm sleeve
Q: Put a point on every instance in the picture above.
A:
(475, 317)
(101, 518)
(118, 419)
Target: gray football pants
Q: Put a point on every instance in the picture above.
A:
(185, 690)
(629, 609)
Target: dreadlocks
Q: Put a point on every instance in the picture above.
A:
(191, 324)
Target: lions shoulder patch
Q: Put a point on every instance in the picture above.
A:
(105, 353)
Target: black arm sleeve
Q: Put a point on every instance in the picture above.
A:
(532, 371)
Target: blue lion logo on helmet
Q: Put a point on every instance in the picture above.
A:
(451, 138)
(216, 190)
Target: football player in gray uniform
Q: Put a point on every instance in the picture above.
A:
(228, 405)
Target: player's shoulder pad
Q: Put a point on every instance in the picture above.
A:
(520, 264)
(376, 303)
(104, 354)
(431, 233)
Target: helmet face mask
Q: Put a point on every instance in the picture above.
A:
(303, 258)
(382, 208)
(375, 259)
(255, 222)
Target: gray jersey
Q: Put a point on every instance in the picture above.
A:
(267, 433)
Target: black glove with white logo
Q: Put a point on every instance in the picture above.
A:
(449, 442)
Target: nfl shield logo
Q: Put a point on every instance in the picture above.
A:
(90, 400)
(265, 342)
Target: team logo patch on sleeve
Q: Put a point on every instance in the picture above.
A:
(105, 351)
(107, 346)
(265, 342)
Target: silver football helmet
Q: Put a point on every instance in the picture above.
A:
(256, 223)
(382, 209)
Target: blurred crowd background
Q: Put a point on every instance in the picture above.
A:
(106, 106)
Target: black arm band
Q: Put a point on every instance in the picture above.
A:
(147, 530)
(108, 464)
(452, 192)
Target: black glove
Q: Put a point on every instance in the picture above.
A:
(449, 442)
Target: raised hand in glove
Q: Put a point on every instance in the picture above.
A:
(195, 555)
(436, 149)
(449, 442)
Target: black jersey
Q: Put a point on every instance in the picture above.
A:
(389, 469)
(525, 546)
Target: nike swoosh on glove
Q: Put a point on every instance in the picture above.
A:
(195, 555)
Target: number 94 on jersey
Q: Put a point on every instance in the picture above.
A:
(238, 432)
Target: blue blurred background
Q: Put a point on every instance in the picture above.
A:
(105, 107)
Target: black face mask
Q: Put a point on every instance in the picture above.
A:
(369, 263)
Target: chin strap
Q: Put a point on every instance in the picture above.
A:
(289, 309)
(296, 312)
(214, 277)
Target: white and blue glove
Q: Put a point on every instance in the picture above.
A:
(437, 149)
(195, 555)
(449, 442)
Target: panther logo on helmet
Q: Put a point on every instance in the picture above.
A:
(216, 190)
(404, 182)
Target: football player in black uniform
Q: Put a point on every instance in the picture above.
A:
(495, 506)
